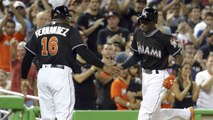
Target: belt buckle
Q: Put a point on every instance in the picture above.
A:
(148, 71)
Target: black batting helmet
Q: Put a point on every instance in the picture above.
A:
(148, 14)
(60, 12)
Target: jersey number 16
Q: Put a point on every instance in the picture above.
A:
(49, 46)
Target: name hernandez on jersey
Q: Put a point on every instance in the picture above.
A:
(52, 30)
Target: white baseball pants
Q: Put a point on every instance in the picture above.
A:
(56, 93)
(152, 91)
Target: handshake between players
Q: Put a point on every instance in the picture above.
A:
(115, 70)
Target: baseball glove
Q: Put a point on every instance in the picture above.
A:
(168, 82)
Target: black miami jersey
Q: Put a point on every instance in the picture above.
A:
(55, 44)
(154, 49)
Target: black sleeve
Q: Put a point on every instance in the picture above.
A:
(171, 45)
(134, 46)
(131, 61)
(26, 63)
(75, 39)
(31, 45)
(87, 55)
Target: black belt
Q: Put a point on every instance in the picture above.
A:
(57, 66)
(149, 71)
(54, 66)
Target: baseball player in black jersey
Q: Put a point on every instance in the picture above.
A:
(56, 45)
(152, 48)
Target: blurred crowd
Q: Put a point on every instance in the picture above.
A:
(106, 27)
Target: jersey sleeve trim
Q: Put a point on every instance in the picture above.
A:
(30, 50)
(176, 52)
(78, 46)
(133, 49)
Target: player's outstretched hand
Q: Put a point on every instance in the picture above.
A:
(169, 81)
(24, 86)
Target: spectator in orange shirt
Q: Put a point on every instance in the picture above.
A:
(119, 91)
(8, 34)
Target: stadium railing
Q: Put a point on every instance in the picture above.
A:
(200, 114)
(15, 104)
(20, 111)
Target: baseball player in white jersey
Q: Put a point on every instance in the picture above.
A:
(152, 48)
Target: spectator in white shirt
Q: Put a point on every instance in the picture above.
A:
(205, 80)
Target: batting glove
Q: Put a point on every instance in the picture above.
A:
(169, 81)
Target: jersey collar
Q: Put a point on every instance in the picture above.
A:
(151, 33)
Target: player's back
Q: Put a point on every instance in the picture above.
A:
(53, 44)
